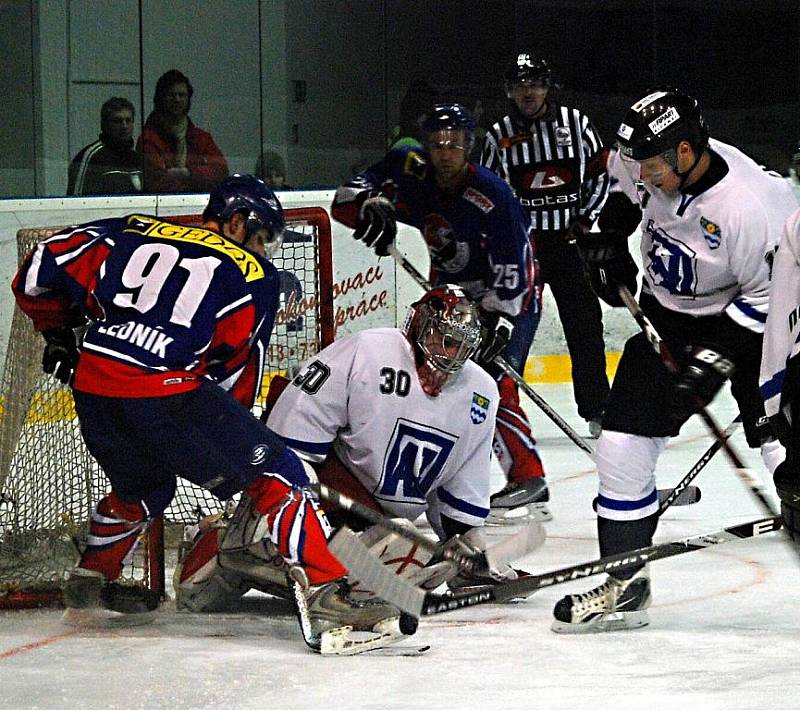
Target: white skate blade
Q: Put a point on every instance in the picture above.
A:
(100, 618)
(519, 516)
(343, 641)
(617, 621)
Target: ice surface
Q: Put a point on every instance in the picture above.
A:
(724, 632)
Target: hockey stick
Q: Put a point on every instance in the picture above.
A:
(395, 590)
(683, 485)
(512, 547)
(756, 488)
(551, 413)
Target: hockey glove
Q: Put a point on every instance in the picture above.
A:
(578, 229)
(496, 330)
(787, 486)
(608, 265)
(377, 226)
(699, 382)
(60, 353)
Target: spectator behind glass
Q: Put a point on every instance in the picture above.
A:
(110, 165)
(271, 169)
(414, 107)
(179, 156)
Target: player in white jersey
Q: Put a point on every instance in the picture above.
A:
(710, 219)
(399, 420)
(780, 369)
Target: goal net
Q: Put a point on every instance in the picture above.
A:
(49, 483)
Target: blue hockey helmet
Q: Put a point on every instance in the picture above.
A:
(251, 195)
(450, 117)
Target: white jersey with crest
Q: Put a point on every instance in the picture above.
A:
(710, 253)
(413, 452)
(782, 334)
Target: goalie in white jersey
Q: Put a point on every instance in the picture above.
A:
(710, 218)
(399, 420)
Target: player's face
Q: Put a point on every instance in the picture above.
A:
(654, 172)
(176, 100)
(119, 126)
(448, 151)
(529, 95)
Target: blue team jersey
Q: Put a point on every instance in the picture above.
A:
(478, 237)
(166, 304)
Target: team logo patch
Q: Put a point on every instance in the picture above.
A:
(259, 454)
(483, 203)
(563, 136)
(624, 131)
(711, 232)
(479, 409)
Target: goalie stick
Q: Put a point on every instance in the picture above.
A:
(537, 399)
(530, 538)
(395, 590)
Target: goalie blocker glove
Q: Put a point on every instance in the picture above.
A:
(377, 225)
(60, 353)
(608, 264)
(496, 330)
(700, 381)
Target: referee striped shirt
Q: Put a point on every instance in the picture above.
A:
(555, 163)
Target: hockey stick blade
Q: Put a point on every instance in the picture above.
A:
(397, 591)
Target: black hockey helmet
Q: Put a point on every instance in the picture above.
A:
(527, 66)
(251, 195)
(658, 122)
(450, 117)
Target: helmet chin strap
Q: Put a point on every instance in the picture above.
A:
(682, 175)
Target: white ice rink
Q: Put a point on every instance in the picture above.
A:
(724, 632)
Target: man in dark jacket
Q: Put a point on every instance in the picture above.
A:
(109, 166)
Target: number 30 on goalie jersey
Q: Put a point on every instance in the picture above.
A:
(361, 397)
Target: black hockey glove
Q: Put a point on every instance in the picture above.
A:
(577, 230)
(699, 382)
(60, 353)
(608, 265)
(377, 226)
(496, 330)
(787, 485)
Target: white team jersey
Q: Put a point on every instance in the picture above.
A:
(412, 451)
(708, 254)
(783, 327)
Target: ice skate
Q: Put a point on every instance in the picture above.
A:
(93, 602)
(615, 605)
(519, 502)
(333, 623)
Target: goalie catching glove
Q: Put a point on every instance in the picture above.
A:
(60, 353)
(699, 381)
(608, 265)
(377, 225)
(496, 330)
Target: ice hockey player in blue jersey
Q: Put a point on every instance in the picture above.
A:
(710, 219)
(478, 237)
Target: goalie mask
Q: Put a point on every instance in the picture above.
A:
(444, 330)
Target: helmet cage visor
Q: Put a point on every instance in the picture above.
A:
(448, 340)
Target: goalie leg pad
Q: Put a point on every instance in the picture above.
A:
(201, 585)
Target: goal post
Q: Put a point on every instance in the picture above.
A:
(49, 483)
